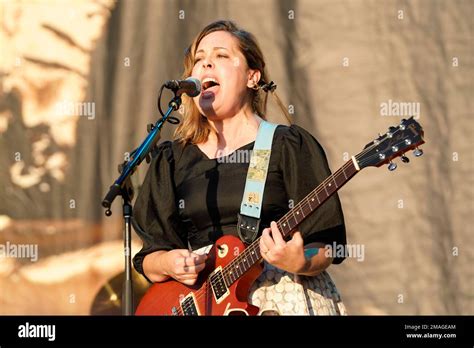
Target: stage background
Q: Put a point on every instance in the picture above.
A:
(335, 64)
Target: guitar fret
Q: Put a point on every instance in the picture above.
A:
(285, 226)
(334, 179)
(298, 214)
(231, 276)
(282, 228)
(226, 280)
(248, 264)
(320, 199)
(242, 266)
(290, 224)
(339, 179)
(326, 190)
(237, 270)
(307, 206)
(256, 251)
(252, 255)
(331, 189)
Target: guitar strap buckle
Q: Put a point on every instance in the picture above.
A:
(247, 227)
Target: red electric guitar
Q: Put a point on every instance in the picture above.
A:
(223, 286)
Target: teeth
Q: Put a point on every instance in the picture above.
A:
(207, 79)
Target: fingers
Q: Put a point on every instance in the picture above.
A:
(297, 239)
(276, 234)
(271, 245)
(190, 267)
(186, 276)
(189, 282)
(263, 248)
(188, 279)
(266, 241)
(186, 265)
(191, 258)
(193, 269)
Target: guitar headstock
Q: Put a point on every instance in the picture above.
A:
(408, 135)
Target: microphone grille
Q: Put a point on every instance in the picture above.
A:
(198, 85)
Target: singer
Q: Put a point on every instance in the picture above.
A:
(192, 193)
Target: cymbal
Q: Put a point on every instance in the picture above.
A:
(108, 300)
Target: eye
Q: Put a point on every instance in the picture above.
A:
(222, 56)
(196, 60)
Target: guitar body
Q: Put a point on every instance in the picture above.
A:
(174, 298)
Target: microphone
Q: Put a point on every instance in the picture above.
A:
(191, 86)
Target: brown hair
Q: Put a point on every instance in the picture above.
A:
(195, 128)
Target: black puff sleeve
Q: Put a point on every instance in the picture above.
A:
(156, 208)
(304, 166)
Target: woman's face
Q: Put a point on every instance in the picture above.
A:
(224, 75)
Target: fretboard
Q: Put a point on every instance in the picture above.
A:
(288, 223)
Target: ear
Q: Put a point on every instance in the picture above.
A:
(253, 78)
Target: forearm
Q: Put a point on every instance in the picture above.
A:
(316, 264)
(153, 266)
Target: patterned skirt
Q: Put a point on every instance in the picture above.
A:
(277, 292)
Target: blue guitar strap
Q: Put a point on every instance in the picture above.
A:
(251, 206)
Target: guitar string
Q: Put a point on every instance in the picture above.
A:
(304, 201)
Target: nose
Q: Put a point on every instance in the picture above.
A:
(207, 63)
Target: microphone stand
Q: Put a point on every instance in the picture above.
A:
(123, 187)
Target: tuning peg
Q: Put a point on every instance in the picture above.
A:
(405, 159)
(392, 166)
(418, 152)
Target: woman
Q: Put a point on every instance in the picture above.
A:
(191, 195)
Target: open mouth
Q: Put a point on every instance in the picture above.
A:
(208, 83)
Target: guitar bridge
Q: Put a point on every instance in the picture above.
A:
(189, 305)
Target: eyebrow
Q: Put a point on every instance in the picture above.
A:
(215, 48)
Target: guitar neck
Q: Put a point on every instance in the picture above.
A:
(288, 223)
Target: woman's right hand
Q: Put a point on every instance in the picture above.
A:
(183, 265)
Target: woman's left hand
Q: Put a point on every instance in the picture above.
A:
(288, 256)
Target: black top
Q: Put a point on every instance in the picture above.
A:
(187, 197)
